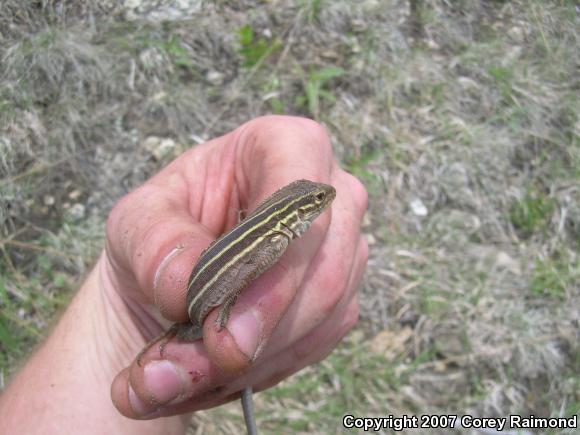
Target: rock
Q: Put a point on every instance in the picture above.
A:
(391, 344)
(358, 26)
(517, 34)
(75, 194)
(161, 10)
(366, 222)
(505, 261)
(159, 147)
(76, 212)
(418, 208)
(371, 240)
(215, 77)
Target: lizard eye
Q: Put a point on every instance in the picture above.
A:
(320, 196)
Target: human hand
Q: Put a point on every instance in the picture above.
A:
(290, 317)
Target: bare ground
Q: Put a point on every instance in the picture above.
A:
(461, 118)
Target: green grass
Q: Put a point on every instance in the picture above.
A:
(532, 213)
(552, 276)
(316, 86)
(343, 383)
(359, 167)
(254, 49)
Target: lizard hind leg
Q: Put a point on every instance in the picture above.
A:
(161, 339)
(224, 312)
(181, 330)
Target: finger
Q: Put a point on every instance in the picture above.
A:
(152, 242)
(155, 233)
(318, 345)
(315, 345)
(328, 275)
(278, 373)
(268, 154)
(260, 306)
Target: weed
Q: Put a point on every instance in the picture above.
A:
(314, 89)
(503, 77)
(312, 8)
(553, 276)
(272, 88)
(373, 374)
(254, 50)
(532, 213)
(359, 167)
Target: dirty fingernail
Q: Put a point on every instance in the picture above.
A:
(246, 329)
(141, 408)
(163, 381)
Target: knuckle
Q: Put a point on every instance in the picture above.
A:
(115, 219)
(351, 316)
(332, 293)
(304, 128)
(359, 193)
(364, 250)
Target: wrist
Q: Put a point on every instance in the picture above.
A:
(71, 373)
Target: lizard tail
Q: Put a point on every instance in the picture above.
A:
(248, 407)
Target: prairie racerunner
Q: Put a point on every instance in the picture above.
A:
(238, 257)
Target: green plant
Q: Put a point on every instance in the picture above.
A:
(178, 53)
(531, 213)
(314, 88)
(312, 9)
(504, 78)
(358, 166)
(552, 276)
(273, 88)
(7, 340)
(253, 49)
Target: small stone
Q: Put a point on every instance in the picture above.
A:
(329, 54)
(164, 149)
(516, 33)
(391, 344)
(366, 222)
(75, 194)
(215, 77)
(151, 142)
(358, 26)
(371, 240)
(159, 147)
(432, 45)
(48, 200)
(76, 212)
(418, 208)
(505, 261)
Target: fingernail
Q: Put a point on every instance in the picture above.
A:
(246, 329)
(141, 408)
(163, 381)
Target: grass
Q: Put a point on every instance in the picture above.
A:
(468, 108)
(253, 49)
(532, 213)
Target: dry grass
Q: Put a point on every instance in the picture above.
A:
(462, 121)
